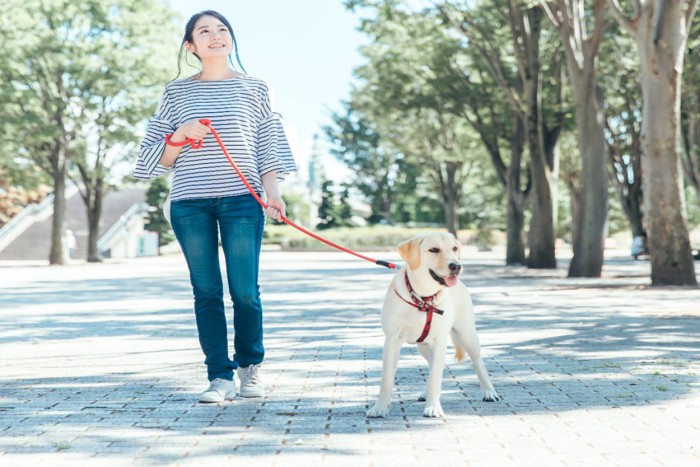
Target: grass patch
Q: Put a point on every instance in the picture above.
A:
(608, 365)
(358, 238)
(61, 445)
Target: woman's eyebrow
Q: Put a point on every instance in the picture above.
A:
(208, 26)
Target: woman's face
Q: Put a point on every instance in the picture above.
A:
(210, 39)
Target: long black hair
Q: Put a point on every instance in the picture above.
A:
(189, 29)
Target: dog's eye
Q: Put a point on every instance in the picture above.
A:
(434, 250)
(455, 249)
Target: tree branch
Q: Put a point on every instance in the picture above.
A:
(489, 53)
(550, 14)
(690, 12)
(624, 21)
(601, 25)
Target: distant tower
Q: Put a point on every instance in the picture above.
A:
(315, 169)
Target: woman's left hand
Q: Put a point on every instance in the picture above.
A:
(276, 208)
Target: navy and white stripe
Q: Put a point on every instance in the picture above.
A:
(240, 111)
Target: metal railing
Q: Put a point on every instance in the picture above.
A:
(29, 215)
(24, 219)
(121, 225)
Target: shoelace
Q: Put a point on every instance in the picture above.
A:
(217, 384)
(252, 374)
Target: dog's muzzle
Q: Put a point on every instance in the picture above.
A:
(452, 279)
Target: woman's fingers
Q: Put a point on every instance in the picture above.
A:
(196, 130)
(275, 213)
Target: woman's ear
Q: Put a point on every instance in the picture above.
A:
(410, 251)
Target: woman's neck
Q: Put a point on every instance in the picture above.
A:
(216, 71)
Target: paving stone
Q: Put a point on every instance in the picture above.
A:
(106, 370)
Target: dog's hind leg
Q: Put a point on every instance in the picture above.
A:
(390, 360)
(466, 338)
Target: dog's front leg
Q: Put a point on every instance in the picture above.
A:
(433, 408)
(390, 360)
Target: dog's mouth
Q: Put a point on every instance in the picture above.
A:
(449, 281)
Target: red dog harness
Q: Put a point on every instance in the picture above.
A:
(425, 304)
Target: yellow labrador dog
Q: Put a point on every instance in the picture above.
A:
(425, 303)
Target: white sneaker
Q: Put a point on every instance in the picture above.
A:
(251, 385)
(219, 391)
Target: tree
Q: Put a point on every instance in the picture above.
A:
(474, 94)
(408, 111)
(690, 108)
(76, 77)
(357, 144)
(155, 220)
(328, 211)
(581, 42)
(619, 77)
(660, 28)
(524, 92)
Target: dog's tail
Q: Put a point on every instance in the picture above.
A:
(459, 351)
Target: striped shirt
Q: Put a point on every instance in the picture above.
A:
(240, 111)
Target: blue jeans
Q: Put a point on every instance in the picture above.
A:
(196, 223)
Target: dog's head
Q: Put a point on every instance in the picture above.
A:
(433, 257)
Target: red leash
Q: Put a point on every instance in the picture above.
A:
(198, 144)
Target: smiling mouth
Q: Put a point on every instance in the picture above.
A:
(438, 279)
(450, 281)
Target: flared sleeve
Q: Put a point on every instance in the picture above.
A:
(274, 152)
(161, 124)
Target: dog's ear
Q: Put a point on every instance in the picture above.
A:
(410, 251)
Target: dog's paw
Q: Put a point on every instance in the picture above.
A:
(490, 396)
(433, 411)
(421, 397)
(378, 412)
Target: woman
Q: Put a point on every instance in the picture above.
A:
(209, 198)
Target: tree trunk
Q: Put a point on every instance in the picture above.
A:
(633, 210)
(541, 234)
(574, 207)
(450, 199)
(58, 252)
(515, 212)
(94, 212)
(589, 238)
(661, 40)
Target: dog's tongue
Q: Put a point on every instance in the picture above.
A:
(451, 281)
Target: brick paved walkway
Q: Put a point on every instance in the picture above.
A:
(99, 365)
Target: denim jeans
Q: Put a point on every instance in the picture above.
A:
(196, 223)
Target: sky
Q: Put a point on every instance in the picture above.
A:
(305, 50)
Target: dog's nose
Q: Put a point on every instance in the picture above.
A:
(455, 267)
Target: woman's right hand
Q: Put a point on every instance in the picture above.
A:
(192, 129)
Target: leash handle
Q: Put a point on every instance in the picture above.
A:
(194, 143)
(198, 144)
